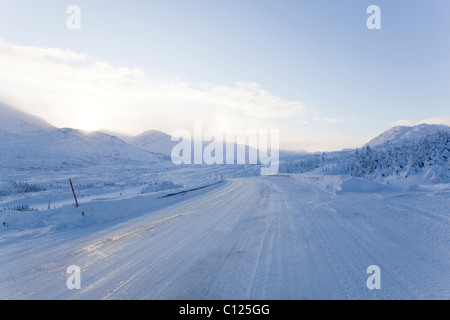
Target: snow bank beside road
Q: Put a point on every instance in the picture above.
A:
(33, 219)
(96, 211)
(352, 184)
(339, 183)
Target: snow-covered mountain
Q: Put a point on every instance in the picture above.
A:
(160, 142)
(153, 141)
(27, 141)
(30, 142)
(14, 121)
(405, 134)
(421, 151)
(69, 147)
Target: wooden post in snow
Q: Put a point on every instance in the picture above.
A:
(73, 191)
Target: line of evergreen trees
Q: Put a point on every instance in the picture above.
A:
(389, 159)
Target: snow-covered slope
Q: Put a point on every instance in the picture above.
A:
(16, 122)
(27, 142)
(160, 142)
(63, 147)
(405, 134)
(153, 141)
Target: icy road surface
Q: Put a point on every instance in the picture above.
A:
(255, 238)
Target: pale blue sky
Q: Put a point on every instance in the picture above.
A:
(316, 52)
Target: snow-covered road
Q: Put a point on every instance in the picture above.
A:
(252, 238)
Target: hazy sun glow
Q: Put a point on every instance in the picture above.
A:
(87, 122)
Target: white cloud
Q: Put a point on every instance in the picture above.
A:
(42, 53)
(439, 120)
(405, 122)
(67, 88)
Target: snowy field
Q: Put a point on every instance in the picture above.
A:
(280, 237)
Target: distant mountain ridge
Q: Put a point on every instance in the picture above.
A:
(153, 141)
(404, 134)
(17, 122)
(30, 142)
